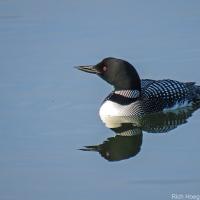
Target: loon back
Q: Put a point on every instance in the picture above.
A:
(167, 94)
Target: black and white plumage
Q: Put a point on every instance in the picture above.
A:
(155, 96)
(135, 97)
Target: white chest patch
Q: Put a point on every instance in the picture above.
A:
(110, 108)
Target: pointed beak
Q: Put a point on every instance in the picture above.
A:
(90, 69)
(90, 148)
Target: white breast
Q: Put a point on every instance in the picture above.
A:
(110, 108)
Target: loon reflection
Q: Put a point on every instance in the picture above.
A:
(129, 132)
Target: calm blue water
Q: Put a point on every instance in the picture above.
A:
(49, 110)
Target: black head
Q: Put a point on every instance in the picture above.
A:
(119, 73)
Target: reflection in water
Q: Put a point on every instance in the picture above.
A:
(128, 139)
(121, 146)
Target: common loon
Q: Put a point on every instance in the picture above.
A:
(133, 96)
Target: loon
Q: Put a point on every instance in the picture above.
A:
(133, 96)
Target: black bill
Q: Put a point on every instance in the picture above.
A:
(89, 69)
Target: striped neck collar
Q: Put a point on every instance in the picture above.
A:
(128, 93)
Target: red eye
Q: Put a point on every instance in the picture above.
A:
(104, 68)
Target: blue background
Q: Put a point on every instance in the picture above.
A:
(48, 109)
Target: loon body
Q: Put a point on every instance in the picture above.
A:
(135, 97)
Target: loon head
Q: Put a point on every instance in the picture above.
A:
(119, 73)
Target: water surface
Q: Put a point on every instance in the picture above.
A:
(48, 110)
